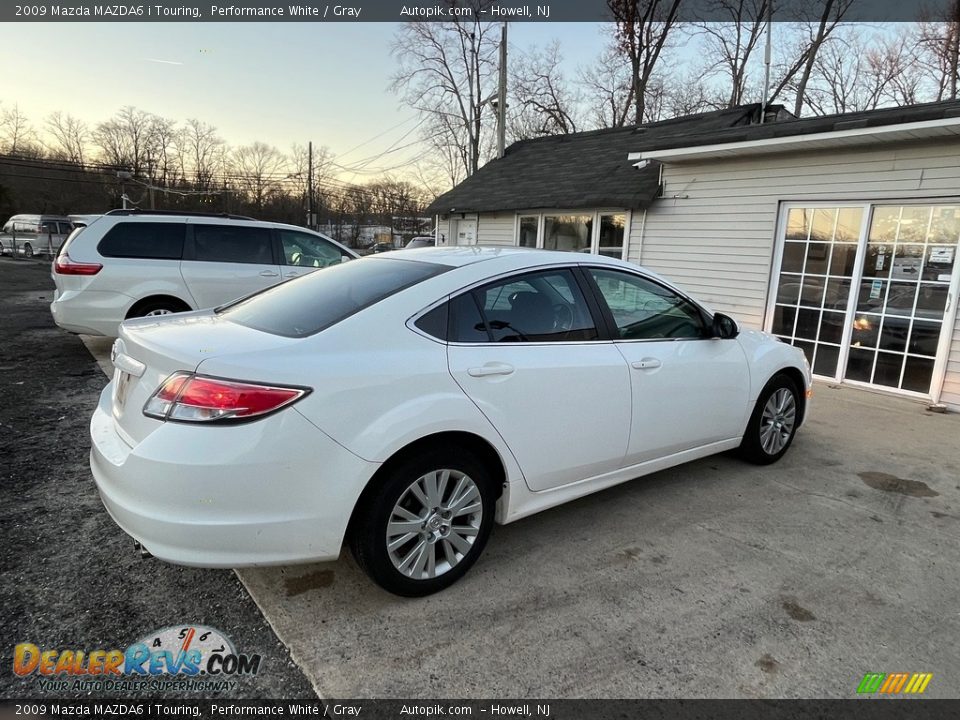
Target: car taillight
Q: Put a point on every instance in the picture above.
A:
(65, 266)
(186, 397)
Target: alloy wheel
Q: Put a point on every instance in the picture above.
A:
(778, 421)
(434, 524)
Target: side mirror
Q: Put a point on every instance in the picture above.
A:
(725, 327)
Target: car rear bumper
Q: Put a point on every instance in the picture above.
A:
(270, 492)
(90, 312)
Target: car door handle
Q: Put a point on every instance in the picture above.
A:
(268, 273)
(291, 273)
(647, 363)
(490, 369)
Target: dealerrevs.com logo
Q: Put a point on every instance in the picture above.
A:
(182, 658)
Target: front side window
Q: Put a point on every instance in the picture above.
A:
(158, 241)
(545, 306)
(305, 250)
(644, 310)
(233, 244)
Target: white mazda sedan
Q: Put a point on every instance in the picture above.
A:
(403, 403)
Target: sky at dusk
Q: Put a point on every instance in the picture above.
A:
(281, 83)
(277, 82)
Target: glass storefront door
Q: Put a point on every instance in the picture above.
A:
(867, 302)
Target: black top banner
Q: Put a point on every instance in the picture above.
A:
(463, 11)
(865, 709)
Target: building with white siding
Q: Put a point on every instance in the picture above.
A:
(839, 234)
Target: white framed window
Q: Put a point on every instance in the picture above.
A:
(602, 232)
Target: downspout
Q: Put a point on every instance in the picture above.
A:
(643, 226)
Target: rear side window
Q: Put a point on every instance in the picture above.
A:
(233, 244)
(311, 303)
(466, 322)
(158, 241)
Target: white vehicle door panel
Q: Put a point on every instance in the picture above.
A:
(563, 410)
(686, 393)
(689, 389)
(225, 262)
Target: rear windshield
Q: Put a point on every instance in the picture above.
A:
(323, 298)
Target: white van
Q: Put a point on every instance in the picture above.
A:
(30, 235)
(136, 263)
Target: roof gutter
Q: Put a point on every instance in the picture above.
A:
(861, 135)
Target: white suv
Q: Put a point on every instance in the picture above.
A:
(135, 263)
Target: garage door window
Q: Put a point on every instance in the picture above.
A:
(816, 274)
(865, 290)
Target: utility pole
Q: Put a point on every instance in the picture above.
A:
(953, 36)
(502, 96)
(310, 184)
(123, 176)
(767, 57)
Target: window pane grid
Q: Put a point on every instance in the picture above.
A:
(814, 284)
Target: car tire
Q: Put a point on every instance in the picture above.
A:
(27, 250)
(773, 424)
(413, 548)
(156, 307)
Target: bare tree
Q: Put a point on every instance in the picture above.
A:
(17, 135)
(608, 88)
(854, 74)
(802, 41)
(258, 169)
(544, 104)
(161, 160)
(642, 30)
(938, 51)
(447, 72)
(688, 94)
(69, 137)
(126, 138)
(895, 61)
(731, 43)
(200, 152)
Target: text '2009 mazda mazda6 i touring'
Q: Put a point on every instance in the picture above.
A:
(402, 403)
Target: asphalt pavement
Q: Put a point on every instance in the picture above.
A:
(712, 579)
(70, 577)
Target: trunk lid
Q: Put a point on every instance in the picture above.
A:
(149, 350)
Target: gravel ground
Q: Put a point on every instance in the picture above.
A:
(70, 577)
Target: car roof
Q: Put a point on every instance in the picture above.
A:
(461, 255)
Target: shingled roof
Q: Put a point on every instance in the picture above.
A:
(591, 169)
(794, 126)
(580, 170)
